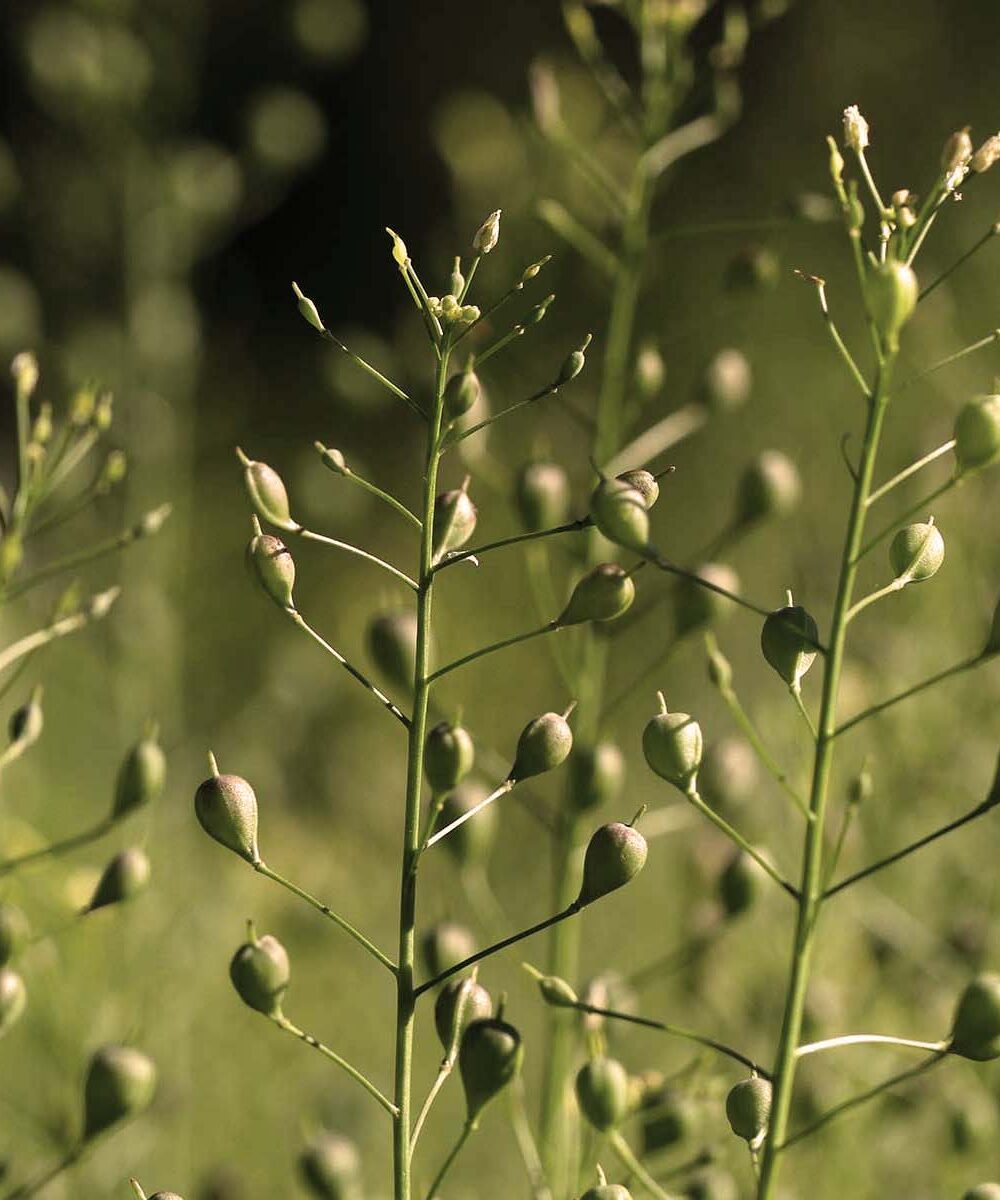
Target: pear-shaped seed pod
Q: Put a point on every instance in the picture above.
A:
(455, 519)
(727, 381)
(271, 565)
(603, 594)
(555, 991)
(125, 876)
(891, 292)
(330, 1166)
(917, 552)
(449, 756)
(267, 493)
(141, 776)
(392, 643)
(738, 883)
(602, 1092)
(489, 1057)
(619, 512)
(445, 945)
(260, 973)
(14, 932)
(459, 1003)
(975, 1032)
(748, 1108)
(788, 641)
(13, 998)
(473, 840)
(120, 1083)
(615, 854)
(461, 393)
(644, 483)
(543, 496)
(668, 1119)
(769, 487)
(544, 744)
(672, 744)
(226, 806)
(729, 772)
(977, 433)
(597, 776)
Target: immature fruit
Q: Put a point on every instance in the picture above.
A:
(270, 563)
(141, 777)
(544, 743)
(983, 1191)
(27, 722)
(461, 393)
(473, 840)
(696, 605)
(644, 483)
(226, 806)
(977, 433)
(666, 1122)
(615, 854)
(555, 991)
(489, 1057)
(542, 496)
(607, 1191)
(619, 512)
(748, 1108)
(454, 522)
(267, 493)
(738, 884)
(891, 290)
(120, 1083)
(392, 643)
(788, 641)
(769, 487)
(917, 552)
(260, 973)
(672, 744)
(14, 932)
(727, 380)
(330, 1167)
(573, 363)
(597, 776)
(125, 876)
(449, 756)
(729, 772)
(445, 945)
(975, 1032)
(459, 1003)
(602, 1092)
(13, 998)
(602, 594)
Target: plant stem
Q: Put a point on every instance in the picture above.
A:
(377, 492)
(56, 848)
(868, 1039)
(24, 1190)
(502, 790)
(309, 536)
(913, 511)
(960, 261)
(375, 374)
(956, 669)
(735, 836)
(492, 649)
(463, 1137)
(283, 1023)
(476, 551)
(912, 469)
(629, 1160)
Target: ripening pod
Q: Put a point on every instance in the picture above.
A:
(672, 744)
(461, 393)
(602, 1091)
(607, 1191)
(226, 806)
(737, 886)
(459, 1003)
(975, 1032)
(573, 363)
(619, 512)
(330, 1166)
(729, 773)
(260, 973)
(696, 606)
(616, 853)
(769, 487)
(977, 433)
(602, 594)
(119, 1084)
(727, 381)
(27, 722)
(644, 483)
(473, 840)
(788, 641)
(141, 777)
(445, 945)
(917, 552)
(125, 876)
(13, 998)
(267, 493)
(668, 1121)
(489, 1057)
(555, 991)
(597, 776)
(454, 521)
(270, 563)
(449, 756)
(392, 643)
(14, 932)
(983, 1191)
(891, 292)
(544, 743)
(543, 496)
(748, 1108)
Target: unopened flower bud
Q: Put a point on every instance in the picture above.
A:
(672, 744)
(977, 433)
(619, 512)
(226, 806)
(41, 430)
(788, 641)
(141, 776)
(769, 487)
(119, 1084)
(456, 283)
(455, 519)
(727, 381)
(573, 363)
(14, 932)
(644, 483)
(24, 368)
(602, 1093)
(267, 493)
(537, 313)
(987, 154)
(555, 991)
(543, 496)
(855, 130)
(469, 314)
(449, 756)
(308, 309)
(615, 854)
(489, 1058)
(532, 269)
(458, 1004)
(445, 945)
(597, 776)
(113, 472)
(603, 594)
(392, 643)
(836, 162)
(748, 1108)
(544, 744)
(260, 973)
(27, 722)
(82, 407)
(917, 552)
(270, 563)
(462, 392)
(488, 234)
(891, 292)
(399, 251)
(13, 998)
(975, 1032)
(957, 151)
(330, 1167)
(471, 842)
(332, 459)
(451, 310)
(125, 876)
(103, 412)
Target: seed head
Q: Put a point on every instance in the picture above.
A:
(891, 292)
(226, 806)
(788, 641)
(975, 1032)
(615, 854)
(489, 1058)
(260, 973)
(602, 1091)
(270, 563)
(555, 991)
(544, 744)
(458, 1004)
(917, 552)
(141, 776)
(488, 234)
(119, 1084)
(267, 493)
(619, 512)
(603, 594)
(748, 1108)
(672, 744)
(573, 364)
(977, 434)
(462, 392)
(125, 876)
(449, 755)
(543, 496)
(455, 519)
(855, 130)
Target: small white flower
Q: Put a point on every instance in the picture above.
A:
(855, 129)
(488, 234)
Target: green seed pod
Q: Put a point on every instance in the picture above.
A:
(602, 1093)
(696, 606)
(489, 1058)
(543, 496)
(597, 776)
(14, 932)
(332, 459)
(573, 363)
(555, 991)
(727, 381)
(891, 292)
(769, 487)
(330, 1167)
(788, 641)
(672, 744)
(462, 392)
(616, 853)
(748, 1108)
(544, 743)
(260, 973)
(449, 756)
(603, 594)
(644, 483)
(13, 998)
(459, 1003)
(392, 643)
(27, 722)
(917, 552)
(125, 876)
(975, 1032)
(667, 1122)
(619, 512)
(454, 521)
(488, 234)
(977, 434)
(737, 887)
(445, 945)
(141, 776)
(607, 1191)
(226, 806)
(983, 1191)
(473, 840)
(729, 773)
(267, 493)
(270, 563)
(119, 1084)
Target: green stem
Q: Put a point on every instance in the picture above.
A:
(800, 705)
(913, 511)
(374, 490)
(309, 536)
(56, 848)
(770, 764)
(463, 1137)
(627, 1157)
(454, 438)
(66, 625)
(960, 261)
(956, 669)
(492, 649)
(476, 551)
(735, 836)
(375, 374)
(283, 1023)
(992, 337)
(868, 1039)
(526, 1144)
(912, 469)
(24, 1190)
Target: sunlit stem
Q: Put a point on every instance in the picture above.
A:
(835, 335)
(868, 1039)
(912, 469)
(99, 606)
(479, 551)
(375, 373)
(506, 787)
(454, 438)
(552, 627)
(870, 182)
(375, 490)
(463, 1137)
(283, 1023)
(896, 585)
(796, 692)
(735, 836)
(983, 342)
(919, 507)
(628, 1159)
(310, 536)
(956, 669)
(961, 260)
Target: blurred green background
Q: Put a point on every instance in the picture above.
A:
(166, 170)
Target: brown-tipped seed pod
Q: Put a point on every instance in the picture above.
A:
(727, 381)
(226, 806)
(454, 522)
(27, 722)
(975, 1032)
(459, 1003)
(603, 594)
(696, 606)
(619, 512)
(644, 483)
(543, 496)
(125, 876)
(788, 641)
(15, 930)
(472, 841)
(330, 1167)
(445, 945)
(891, 292)
(449, 756)
(917, 552)
(141, 776)
(602, 1093)
(977, 434)
(489, 1057)
(769, 487)
(672, 745)
(597, 776)
(462, 392)
(737, 886)
(616, 853)
(260, 973)
(119, 1084)
(13, 998)
(392, 644)
(748, 1108)
(267, 493)
(544, 743)
(270, 563)
(983, 1191)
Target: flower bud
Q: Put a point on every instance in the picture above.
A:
(14, 932)
(112, 473)
(544, 744)
(454, 521)
(13, 998)
(462, 392)
(27, 721)
(977, 433)
(24, 368)
(788, 641)
(488, 234)
(696, 606)
(141, 776)
(456, 283)
(308, 309)
(473, 840)
(769, 487)
(615, 854)
(451, 310)
(332, 459)
(489, 1057)
(574, 363)
(330, 1166)
(727, 381)
(957, 151)
(125, 876)
(987, 154)
(555, 991)
(42, 429)
(597, 776)
(119, 1084)
(737, 887)
(983, 1191)
(103, 410)
(445, 945)
(672, 744)
(644, 483)
(542, 496)
(619, 512)
(270, 563)
(392, 644)
(975, 1032)
(260, 973)
(891, 291)
(603, 594)
(226, 806)
(917, 552)
(267, 493)
(748, 1107)
(449, 756)
(855, 130)
(399, 251)
(602, 1093)
(459, 1003)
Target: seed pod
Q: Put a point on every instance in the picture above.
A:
(270, 563)
(14, 932)
(957, 150)
(125, 876)
(119, 1084)
(917, 552)
(670, 1120)
(226, 806)
(462, 392)
(141, 776)
(644, 483)
(650, 370)
(260, 973)
(607, 1191)
(891, 291)
(308, 309)
(13, 998)
(267, 493)
(975, 1032)
(454, 521)
(748, 1108)
(473, 840)
(788, 641)
(729, 772)
(597, 776)
(489, 1058)
(977, 434)
(330, 1166)
(769, 487)
(27, 722)
(983, 1191)
(542, 496)
(615, 854)
(544, 743)
(696, 605)
(602, 1093)
(672, 744)
(488, 234)
(445, 945)
(449, 756)
(603, 594)
(727, 381)
(392, 643)
(332, 459)
(459, 1003)
(573, 363)
(619, 512)
(737, 885)
(555, 991)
